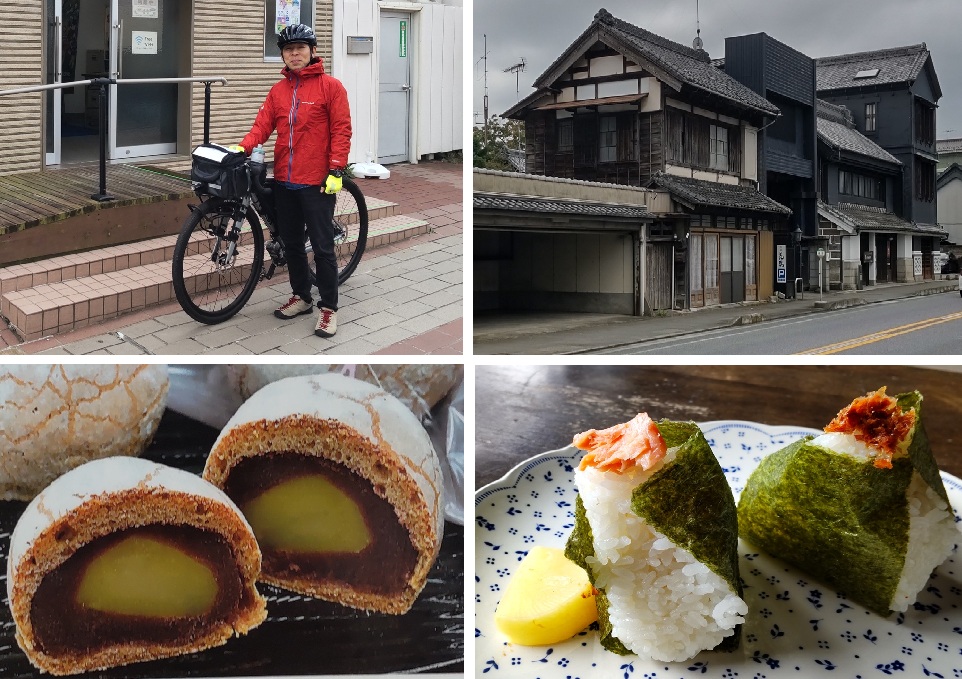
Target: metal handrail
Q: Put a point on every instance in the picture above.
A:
(103, 82)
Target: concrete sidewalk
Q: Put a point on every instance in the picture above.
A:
(554, 333)
(404, 298)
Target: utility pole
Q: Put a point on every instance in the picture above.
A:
(485, 86)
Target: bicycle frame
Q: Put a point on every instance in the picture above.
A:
(226, 261)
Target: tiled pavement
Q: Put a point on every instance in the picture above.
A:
(405, 298)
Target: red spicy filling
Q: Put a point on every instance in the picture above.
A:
(877, 420)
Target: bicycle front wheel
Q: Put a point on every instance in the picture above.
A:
(215, 274)
(350, 229)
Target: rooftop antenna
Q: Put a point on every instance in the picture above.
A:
(484, 58)
(516, 69)
(697, 43)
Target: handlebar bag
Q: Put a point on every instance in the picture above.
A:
(222, 171)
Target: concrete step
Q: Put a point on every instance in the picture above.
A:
(120, 257)
(73, 291)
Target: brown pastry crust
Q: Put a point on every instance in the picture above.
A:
(106, 514)
(377, 463)
(419, 386)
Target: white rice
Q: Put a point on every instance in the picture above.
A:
(932, 529)
(663, 603)
(932, 536)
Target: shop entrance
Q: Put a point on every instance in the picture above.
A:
(128, 39)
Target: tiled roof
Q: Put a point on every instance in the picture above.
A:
(499, 201)
(842, 135)
(953, 171)
(895, 65)
(855, 218)
(700, 193)
(948, 145)
(689, 66)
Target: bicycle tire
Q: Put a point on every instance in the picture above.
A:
(350, 229)
(209, 293)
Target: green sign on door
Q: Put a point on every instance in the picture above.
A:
(403, 50)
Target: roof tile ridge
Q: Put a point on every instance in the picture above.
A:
(884, 52)
(604, 16)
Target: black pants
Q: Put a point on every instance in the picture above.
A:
(312, 210)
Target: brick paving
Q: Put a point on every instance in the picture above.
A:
(404, 298)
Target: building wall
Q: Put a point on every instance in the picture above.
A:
(436, 79)
(21, 31)
(241, 61)
(578, 272)
(950, 210)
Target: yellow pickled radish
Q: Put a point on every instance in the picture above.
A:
(548, 599)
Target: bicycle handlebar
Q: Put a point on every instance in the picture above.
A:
(259, 170)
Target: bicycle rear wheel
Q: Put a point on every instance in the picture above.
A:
(210, 283)
(350, 229)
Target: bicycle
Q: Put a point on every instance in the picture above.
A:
(219, 254)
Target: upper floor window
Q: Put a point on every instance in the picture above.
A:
(696, 141)
(871, 119)
(924, 181)
(718, 148)
(924, 123)
(608, 140)
(862, 186)
(566, 136)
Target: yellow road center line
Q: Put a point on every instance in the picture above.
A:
(881, 335)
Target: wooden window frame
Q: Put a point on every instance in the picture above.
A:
(566, 133)
(607, 139)
(871, 116)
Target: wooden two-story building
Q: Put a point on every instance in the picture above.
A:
(622, 105)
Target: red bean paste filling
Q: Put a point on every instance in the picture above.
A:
(383, 567)
(63, 626)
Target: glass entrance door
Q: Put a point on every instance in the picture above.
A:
(145, 43)
(53, 74)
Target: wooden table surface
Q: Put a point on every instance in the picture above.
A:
(525, 410)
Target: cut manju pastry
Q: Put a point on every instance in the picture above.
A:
(341, 485)
(655, 528)
(123, 560)
(861, 507)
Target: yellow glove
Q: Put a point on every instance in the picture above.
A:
(333, 182)
(236, 149)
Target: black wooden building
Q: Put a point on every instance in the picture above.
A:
(893, 95)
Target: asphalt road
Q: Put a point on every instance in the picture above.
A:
(929, 325)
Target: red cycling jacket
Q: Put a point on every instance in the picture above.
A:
(310, 112)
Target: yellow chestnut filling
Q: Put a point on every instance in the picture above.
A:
(307, 514)
(143, 576)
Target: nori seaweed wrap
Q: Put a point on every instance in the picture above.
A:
(861, 508)
(655, 528)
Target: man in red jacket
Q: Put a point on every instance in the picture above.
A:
(310, 112)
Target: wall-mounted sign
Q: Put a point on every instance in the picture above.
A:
(360, 44)
(143, 42)
(781, 263)
(403, 49)
(144, 9)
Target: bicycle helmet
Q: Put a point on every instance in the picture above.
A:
(296, 33)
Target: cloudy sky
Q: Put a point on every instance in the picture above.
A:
(539, 30)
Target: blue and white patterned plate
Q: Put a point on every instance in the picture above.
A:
(795, 628)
